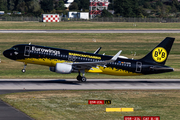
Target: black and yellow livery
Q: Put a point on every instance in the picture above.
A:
(67, 61)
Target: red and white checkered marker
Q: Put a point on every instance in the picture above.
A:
(50, 17)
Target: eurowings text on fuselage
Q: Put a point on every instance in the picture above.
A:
(67, 61)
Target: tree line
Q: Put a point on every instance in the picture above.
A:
(147, 8)
(122, 8)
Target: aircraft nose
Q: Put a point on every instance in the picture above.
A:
(7, 53)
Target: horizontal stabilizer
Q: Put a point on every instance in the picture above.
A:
(162, 69)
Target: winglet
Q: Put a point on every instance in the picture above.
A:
(97, 51)
(116, 56)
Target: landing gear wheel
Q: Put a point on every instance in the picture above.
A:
(79, 78)
(23, 70)
(83, 79)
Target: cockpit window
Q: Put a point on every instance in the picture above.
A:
(15, 48)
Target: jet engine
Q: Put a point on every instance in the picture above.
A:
(61, 68)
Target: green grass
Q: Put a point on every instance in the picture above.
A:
(73, 104)
(110, 43)
(87, 25)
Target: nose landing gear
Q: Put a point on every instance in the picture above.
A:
(24, 69)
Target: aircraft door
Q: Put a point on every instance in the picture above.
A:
(27, 51)
(138, 66)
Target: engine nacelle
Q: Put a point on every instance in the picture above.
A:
(61, 68)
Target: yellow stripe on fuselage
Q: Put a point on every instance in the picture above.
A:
(99, 69)
(42, 61)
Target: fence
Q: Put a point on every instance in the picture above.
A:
(9, 18)
(113, 19)
(121, 19)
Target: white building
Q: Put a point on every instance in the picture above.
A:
(83, 15)
(80, 15)
(68, 3)
(72, 14)
(1, 12)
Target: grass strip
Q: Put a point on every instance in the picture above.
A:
(87, 25)
(73, 104)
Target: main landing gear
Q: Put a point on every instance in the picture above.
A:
(81, 78)
(24, 69)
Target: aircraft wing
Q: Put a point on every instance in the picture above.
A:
(88, 65)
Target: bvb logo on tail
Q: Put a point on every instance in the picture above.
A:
(159, 54)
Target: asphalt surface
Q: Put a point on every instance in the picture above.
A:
(73, 84)
(7, 112)
(89, 31)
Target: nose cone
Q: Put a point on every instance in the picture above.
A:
(6, 53)
(9, 54)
